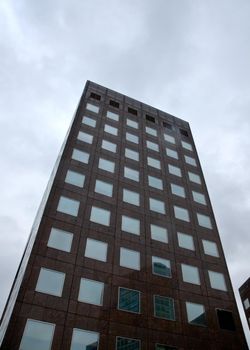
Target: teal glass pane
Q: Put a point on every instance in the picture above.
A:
(196, 314)
(129, 300)
(164, 307)
(127, 344)
(164, 347)
(84, 340)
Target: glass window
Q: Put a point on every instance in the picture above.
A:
(181, 213)
(190, 274)
(129, 153)
(217, 280)
(174, 170)
(190, 160)
(226, 320)
(155, 182)
(80, 156)
(132, 124)
(194, 178)
(169, 138)
(50, 282)
(37, 335)
(204, 220)
(129, 258)
(210, 248)
(131, 197)
(106, 165)
(68, 206)
(113, 116)
(131, 174)
(132, 138)
(89, 121)
(153, 146)
(157, 206)
(246, 303)
(171, 153)
(161, 266)
(164, 307)
(104, 188)
(100, 216)
(151, 131)
(186, 145)
(164, 347)
(127, 344)
(96, 249)
(155, 163)
(92, 108)
(91, 292)
(110, 130)
(130, 225)
(83, 136)
(159, 233)
(178, 190)
(84, 340)
(196, 314)
(75, 178)
(60, 239)
(185, 241)
(199, 197)
(129, 300)
(109, 146)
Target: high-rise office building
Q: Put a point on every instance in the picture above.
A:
(245, 298)
(124, 253)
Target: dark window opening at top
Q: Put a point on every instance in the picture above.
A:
(150, 119)
(95, 96)
(184, 132)
(114, 104)
(167, 125)
(132, 111)
(226, 320)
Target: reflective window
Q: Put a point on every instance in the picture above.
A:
(37, 335)
(164, 307)
(155, 182)
(96, 249)
(75, 178)
(80, 156)
(129, 258)
(89, 121)
(185, 241)
(129, 300)
(129, 153)
(217, 280)
(109, 146)
(60, 239)
(84, 340)
(91, 292)
(159, 233)
(132, 124)
(131, 197)
(204, 220)
(110, 130)
(157, 206)
(246, 303)
(104, 188)
(169, 138)
(132, 138)
(131, 174)
(100, 216)
(174, 170)
(181, 213)
(199, 197)
(113, 116)
(106, 165)
(92, 108)
(194, 178)
(68, 206)
(178, 190)
(164, 347)
(50, 282)
(196, 314)
(190, 274)
(153, 146)
(171, 153)
(190, 160)
(161, 266)
(83, 136)
(186, 145)
(130, 225)
(127, 344)
(151, 131)
(210, 248)
(155, 163)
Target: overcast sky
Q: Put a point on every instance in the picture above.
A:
(188, 58)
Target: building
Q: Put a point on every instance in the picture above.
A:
(245, 298)
(124, 251)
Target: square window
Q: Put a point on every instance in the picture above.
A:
(37, 335)
(127, 344)
(150, 119)
(50, 282)
(155, 182)
(186, 145)
(155, 163)
(190, 160)
(84, 340)
(129, 153)
(100, 216)
(217, 280)
(129, 258)
(112, 115)
(178, 190)
(96, 250)
(161, 266)
(246, 303)
(129, 300)
(74, 178)
(110, 130)
(199, 198)
(185, 241)
(196, 314)
(114, 104)
(226, 320)
(104, 188)
(80, 156)
(169, 138)
(95, 96)
(184, 132)
(167, 125)
(159, 233)
(132, 110)
(60, 239)
(157, 206)
(68, 206)
(164, 347)
(194, 178)
(132, 124)
(171, 153)
(174, 170)
(91, 292)
(210, 248)
(151, 131)
(92, 108)
(190, 274)
(181, 213)
(85, 137)
(132, 138)
(109, 146)
(89, 121)
(130, 225)
(131, 197)
(153, 146)
(106, 165)
(131, 174)
(204, 221)
(164, 308)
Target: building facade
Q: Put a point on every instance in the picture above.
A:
(244, 291)
(124, 253)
